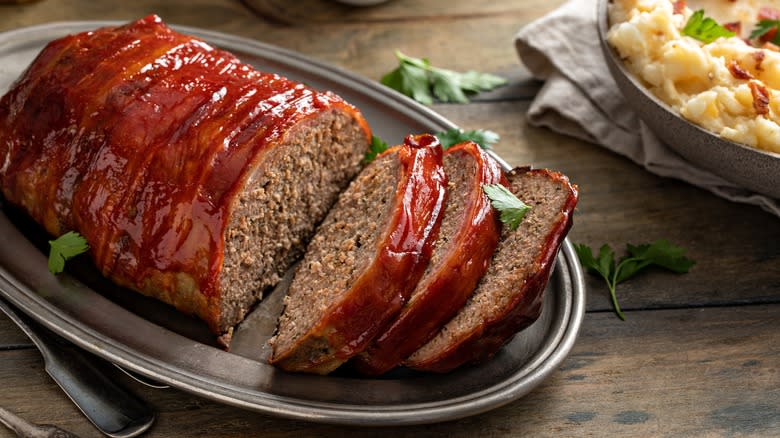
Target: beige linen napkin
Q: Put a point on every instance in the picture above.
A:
(580, 99)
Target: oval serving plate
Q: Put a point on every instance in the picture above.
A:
(154, 340)
(743, 165)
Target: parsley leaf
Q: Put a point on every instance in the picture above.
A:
(659, 253)
(664, 254)
(474, 81)
(705, 29)
(448, 138)
(63, 248)
(418, 79)
(764, 27)
(377, 147)
(512, 209)
(453, 136)
(411, 79)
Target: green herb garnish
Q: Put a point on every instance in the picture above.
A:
(512, 209)
(377, 147)
(453, 136)
(416, 78)
(659, 253)
(447, 138)
(705, 29)
(65, 247)
(764, 27)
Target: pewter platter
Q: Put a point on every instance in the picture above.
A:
(154, 340)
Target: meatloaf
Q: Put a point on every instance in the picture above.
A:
(509, 296)
(195, 178)
(364, 259)
(467, 238)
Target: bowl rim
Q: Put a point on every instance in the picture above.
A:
(602, 23)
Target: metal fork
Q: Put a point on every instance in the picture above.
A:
(24, 429)
(111, 408)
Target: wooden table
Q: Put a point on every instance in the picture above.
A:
(699, 354)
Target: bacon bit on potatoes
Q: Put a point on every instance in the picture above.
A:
(734, 26)
(737, 71)
(760, 97)
(679, 6)
(759, 56)
(769, 36)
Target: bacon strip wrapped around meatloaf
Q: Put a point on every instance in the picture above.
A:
(509, 296)
(364, 260)
(195, 178)
(467, 238)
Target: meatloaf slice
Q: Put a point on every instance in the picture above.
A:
(364, 259)
(195, 178)
(509, 296)
(275, 214)
(467, 238)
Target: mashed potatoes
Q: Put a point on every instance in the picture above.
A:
(727, 86)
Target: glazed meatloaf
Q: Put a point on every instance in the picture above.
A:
(195, 178)
(364, 259)
(467, 238)
(509, 296)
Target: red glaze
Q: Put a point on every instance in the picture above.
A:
(402, 256)
(523, 310)
(139, 138)
(440, 295)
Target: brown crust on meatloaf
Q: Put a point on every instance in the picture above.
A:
(509, 296)
(156, 146)
(467, 238)
(344, 293)
(272, 219)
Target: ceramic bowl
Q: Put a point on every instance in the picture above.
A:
(747, 167)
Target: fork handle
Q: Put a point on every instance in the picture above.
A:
(24, 429)
(110, 407)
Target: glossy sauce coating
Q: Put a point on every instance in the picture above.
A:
(402, 256)
(140, 138)
(441, 294)
(525, 308)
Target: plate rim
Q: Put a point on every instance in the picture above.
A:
(118, 352)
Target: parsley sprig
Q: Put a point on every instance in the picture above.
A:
(705, 29)
(483, 137)
(448, 138)
(659, 253)
(512, 209)
(764, 27)
(376, 147)
(418, 79)
(65, 247)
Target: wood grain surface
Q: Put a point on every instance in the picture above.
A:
(698, 354)
(684, 372)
